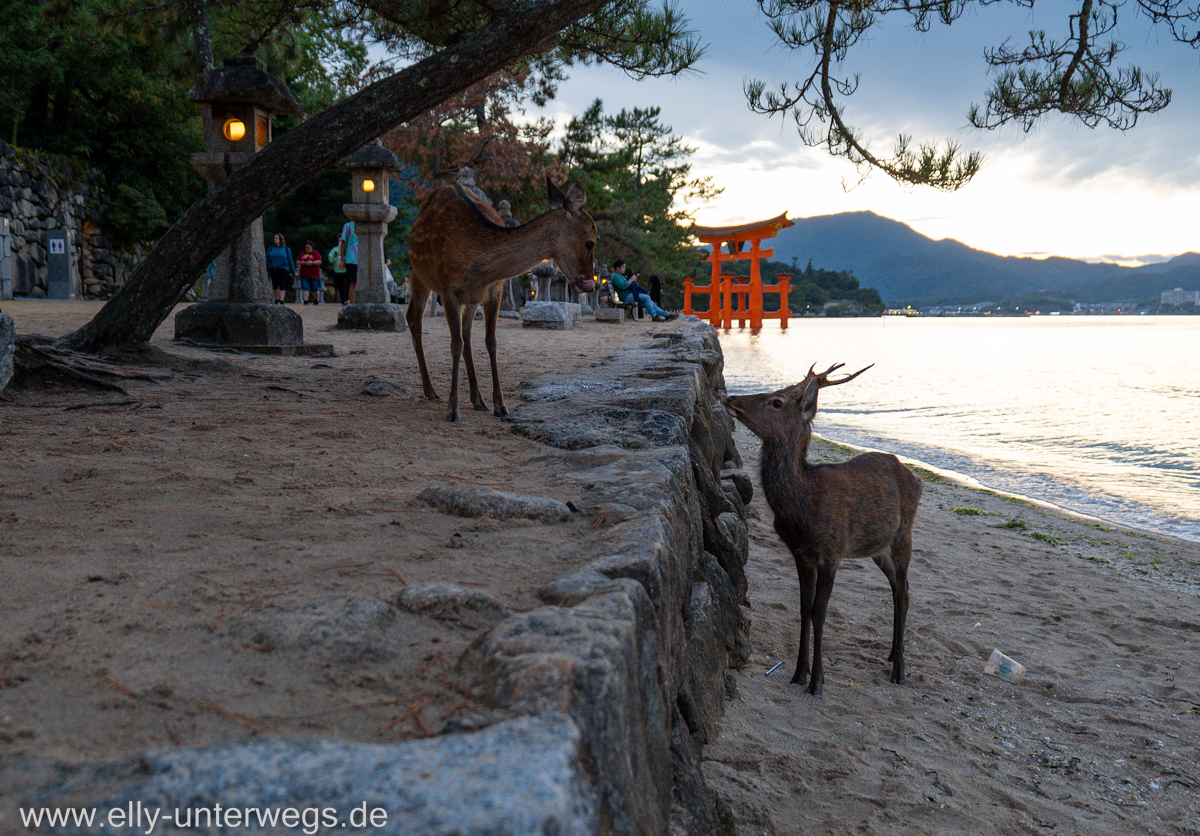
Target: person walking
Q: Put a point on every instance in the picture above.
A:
(338, 274)
(624, 282)
(310, 273)
(280, 267)
(348, 257)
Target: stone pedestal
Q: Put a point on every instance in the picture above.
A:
(372, 316)
(372, 309)
(558, 316)
(8, 341)
(239, 324)
(614, 315)
(241, 309)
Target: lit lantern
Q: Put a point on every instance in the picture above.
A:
(370, 168)
(234, 129)
(242, 98)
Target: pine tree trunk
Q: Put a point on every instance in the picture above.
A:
(146, 299)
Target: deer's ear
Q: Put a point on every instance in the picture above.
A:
(808, 400)
(557, 198)
(576, 196)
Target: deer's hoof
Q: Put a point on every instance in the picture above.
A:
(499, 412)
(481, 407)
(452, 417)
(814, 689)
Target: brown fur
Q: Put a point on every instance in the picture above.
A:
(824, 513)
(460, 249)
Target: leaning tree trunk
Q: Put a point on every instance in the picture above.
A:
(209, 226)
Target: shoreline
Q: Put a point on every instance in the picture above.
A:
(971, 483)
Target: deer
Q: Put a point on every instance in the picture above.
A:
(825, 513)
(461, 249)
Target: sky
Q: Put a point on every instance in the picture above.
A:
(1063, 189)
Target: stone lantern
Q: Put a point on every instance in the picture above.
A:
(370, 170)
(241, 97)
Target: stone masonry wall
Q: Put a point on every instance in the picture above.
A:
(597, 704)
(39, 192)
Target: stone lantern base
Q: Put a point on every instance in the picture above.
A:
(372, 316)
(239, 324)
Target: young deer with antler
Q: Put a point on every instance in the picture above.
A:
(825, 513)
(460, 249)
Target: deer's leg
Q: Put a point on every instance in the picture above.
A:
(454, 320)
(824, 587)
(808, 586)
(901, 553)
(414, 315)
(491, 313)
(468, 319)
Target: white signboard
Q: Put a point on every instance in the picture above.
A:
(58, 246)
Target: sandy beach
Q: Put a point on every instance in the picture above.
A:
(149, 541)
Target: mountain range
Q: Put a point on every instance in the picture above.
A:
(909, 268)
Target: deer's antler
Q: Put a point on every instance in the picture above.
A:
(824, 376)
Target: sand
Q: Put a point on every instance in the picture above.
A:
(175, 562)
(157, 551)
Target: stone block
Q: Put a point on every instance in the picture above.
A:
(702, 697)
(341, 629)
(496, 505)
(522, 776)
(558, 316)
(597, 662)
(8, 339)
(615, 315)
(239, 324)
(372, 316)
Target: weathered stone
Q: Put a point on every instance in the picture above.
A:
(702, 697)
(695, 809)
(597, 663)
(523, 776)
(559, 316)
(496, 505)
(239, 323)
(732, 624)
(372, 316)
(575, 588)
(8, 338)
(614, 315)
(452, 604)
(381, 387)
(740, 480)
(731, 546)
(345, 629)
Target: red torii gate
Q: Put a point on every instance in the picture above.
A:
(722, 290)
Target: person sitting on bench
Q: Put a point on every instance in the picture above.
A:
(624, 282)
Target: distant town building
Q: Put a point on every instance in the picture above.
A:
(1179, 296)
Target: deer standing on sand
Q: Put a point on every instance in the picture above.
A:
(824, 513)
(460, 249)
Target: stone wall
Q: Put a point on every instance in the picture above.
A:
(40, 192)
(597, 704)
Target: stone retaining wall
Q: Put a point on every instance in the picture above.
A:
(597, 704)
(40, 192)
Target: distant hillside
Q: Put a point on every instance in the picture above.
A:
(909, 268)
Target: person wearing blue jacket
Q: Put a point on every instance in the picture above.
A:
(280, 267)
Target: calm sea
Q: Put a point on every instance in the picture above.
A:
(1096, 414)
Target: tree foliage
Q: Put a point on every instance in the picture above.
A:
(106, 81)
(639, 182)
(1075, 73)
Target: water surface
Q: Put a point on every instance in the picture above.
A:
(1097, 414)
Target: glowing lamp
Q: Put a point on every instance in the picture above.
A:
(368, 185)
(234, 129)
